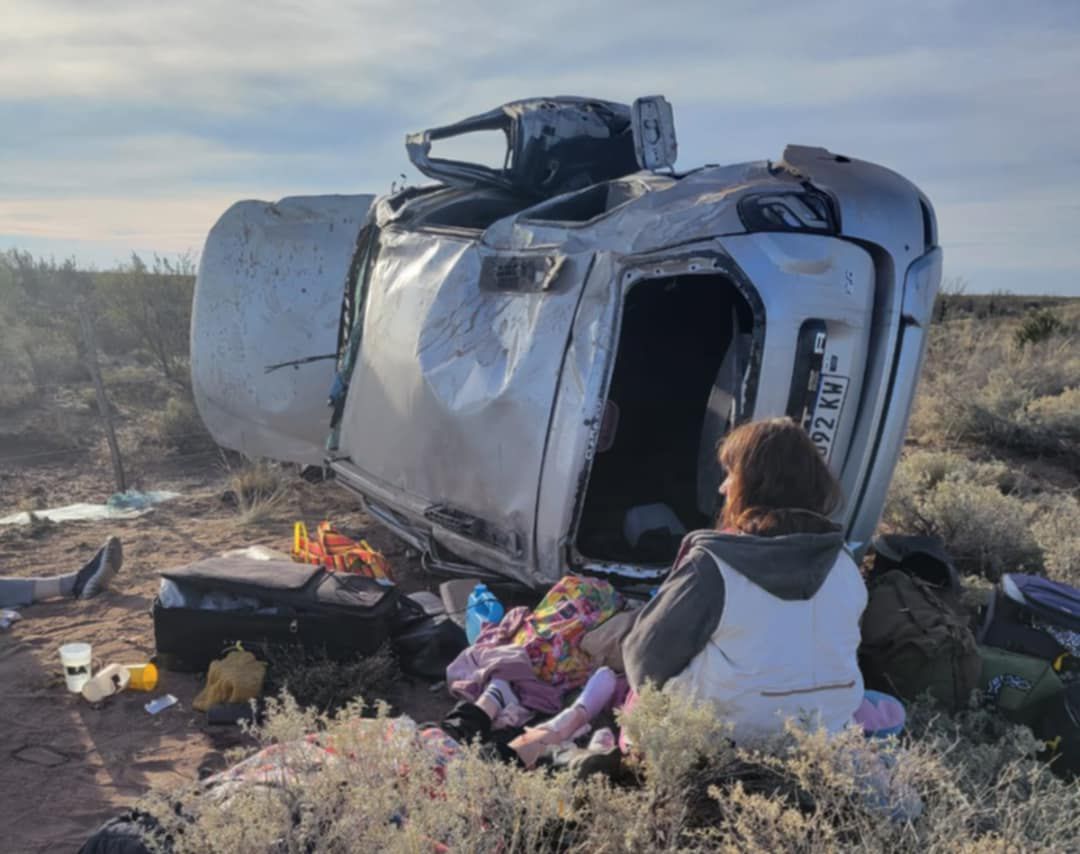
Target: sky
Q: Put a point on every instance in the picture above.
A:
(131, 126)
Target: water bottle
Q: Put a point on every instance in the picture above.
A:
(483, 608)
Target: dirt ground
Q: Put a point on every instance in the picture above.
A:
(70, 766)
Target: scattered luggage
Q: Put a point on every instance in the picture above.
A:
(339, 552)
(1034, 624)
(1019, 686)
(914, 641)
(425, 638)
(1034, 616)
(922, 556)
(210, 605)
(1059, 727)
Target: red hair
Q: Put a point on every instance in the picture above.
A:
(777, 482)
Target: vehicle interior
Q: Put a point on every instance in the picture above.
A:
(680, 367)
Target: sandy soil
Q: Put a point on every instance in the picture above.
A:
(70, 766)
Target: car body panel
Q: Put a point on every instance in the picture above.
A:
(269, 292)
(459, 373)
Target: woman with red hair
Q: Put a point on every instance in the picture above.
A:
(760, 617)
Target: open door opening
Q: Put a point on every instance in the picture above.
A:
(676, 389)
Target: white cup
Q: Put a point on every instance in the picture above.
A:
(76, 660)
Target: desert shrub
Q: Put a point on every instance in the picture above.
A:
(963, 783)
(376, 792)
(978, 509)
(1057, 529)
(139, 385)
(55, 363)
(1059, 413)
(180, 427)
(40, 305)
(326, 685)
(1038, 326)
(992, 518)
(978, 385)
(149, 306)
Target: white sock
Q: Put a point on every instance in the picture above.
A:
(496, 697)
(55, 585)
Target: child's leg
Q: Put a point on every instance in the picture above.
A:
(594, 697)
(596, 694)
(468, 722)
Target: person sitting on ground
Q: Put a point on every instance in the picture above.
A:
(760, 617)
(95, 576)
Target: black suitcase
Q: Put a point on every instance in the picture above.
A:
(340, 615)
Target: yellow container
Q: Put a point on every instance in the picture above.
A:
(144, 677)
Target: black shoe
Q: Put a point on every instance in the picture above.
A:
(583, 762)
(98, 573)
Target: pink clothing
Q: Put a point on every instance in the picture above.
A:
(538, 652)
(475, 667)
(880, 714)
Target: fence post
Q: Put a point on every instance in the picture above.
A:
(89, 336)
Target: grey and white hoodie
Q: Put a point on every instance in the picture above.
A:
(764, 627)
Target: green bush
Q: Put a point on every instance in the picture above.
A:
(1037, 327)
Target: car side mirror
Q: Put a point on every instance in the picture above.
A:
(654, 133)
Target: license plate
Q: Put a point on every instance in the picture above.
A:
(826, 418)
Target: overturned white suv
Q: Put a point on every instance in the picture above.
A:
(529, 367)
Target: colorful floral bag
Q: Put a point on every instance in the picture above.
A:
(552, 634)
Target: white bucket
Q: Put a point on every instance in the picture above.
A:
(76, 660)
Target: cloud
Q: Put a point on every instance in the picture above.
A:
(170, 223)
(132, 106)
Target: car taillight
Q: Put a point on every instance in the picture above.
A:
(803, 210)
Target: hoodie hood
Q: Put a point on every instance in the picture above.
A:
(791, 567)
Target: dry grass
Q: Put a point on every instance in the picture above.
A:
(258, 489)
(991, 518)
(981, 386)
(991, 386)
(961, 785)
(1059, 413)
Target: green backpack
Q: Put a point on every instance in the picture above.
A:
(1020, 686)
(913, 641)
